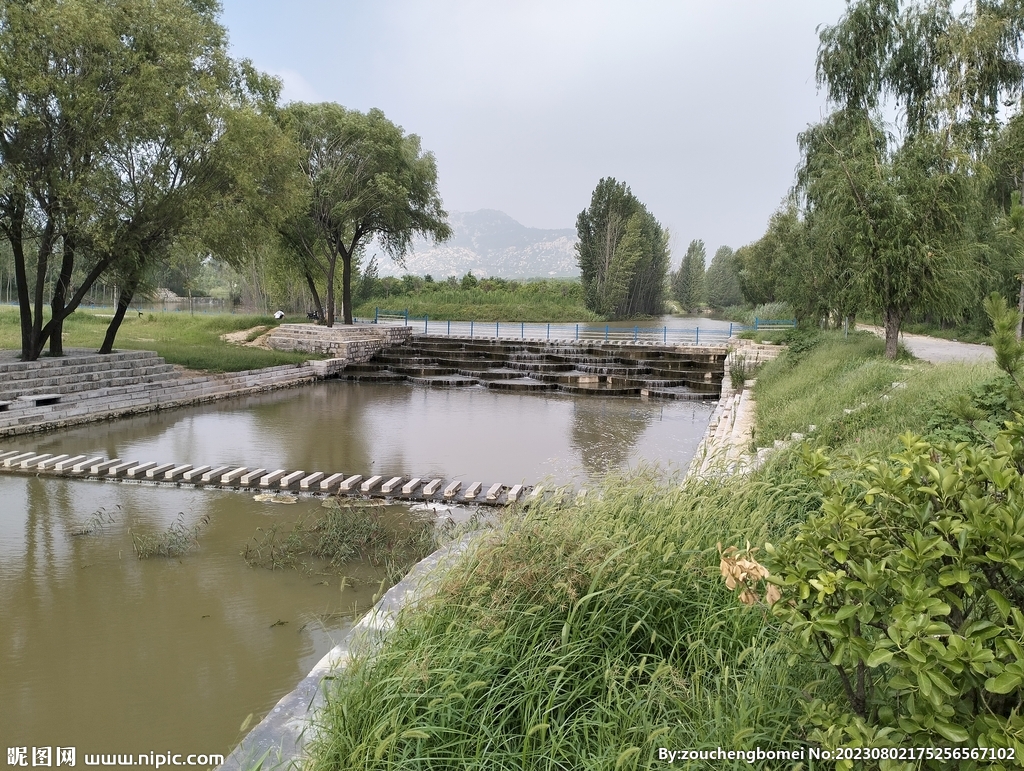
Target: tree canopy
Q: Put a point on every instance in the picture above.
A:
(622, 253)
(366, 180)
(115, 124)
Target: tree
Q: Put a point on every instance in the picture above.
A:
(366, 181)
(622, 253)
(110, 115)
(898, 205)
(688, 287)
(722, 279)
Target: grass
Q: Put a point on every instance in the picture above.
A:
(585, 634)
(176, 541)
(344, 532)
(543, 301)
(593, 633)
(191, 341)
(817, 381)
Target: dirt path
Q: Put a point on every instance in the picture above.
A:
(937, 350)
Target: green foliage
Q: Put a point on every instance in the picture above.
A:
(367, 180)
(176, 541)
(722, 280)
(622, 252)
(492, 299)
(1008, 348)
(597, 631)
(688, 284)
(907, 583)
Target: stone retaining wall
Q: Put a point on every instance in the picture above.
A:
(352, 344)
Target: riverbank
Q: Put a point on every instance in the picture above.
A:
(602, 628)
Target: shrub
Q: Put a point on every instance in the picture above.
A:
(907, 583)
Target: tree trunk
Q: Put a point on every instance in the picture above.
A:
(16, 237)
(60, 293)
(331, 267)
(316, 295)
(893, 322)
(124, 300)
(346, 287)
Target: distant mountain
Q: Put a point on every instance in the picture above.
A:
(491, 243)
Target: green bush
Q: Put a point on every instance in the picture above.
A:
(908, 583)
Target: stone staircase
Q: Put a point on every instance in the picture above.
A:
(85, 386)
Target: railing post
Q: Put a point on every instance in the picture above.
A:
(407, 317)
(635, 332)
(471, 329)
(449, 327)
(497, 326)
(577, 333)
(606, 333)
(665, 339)
(730, 329)
(697, 339)
(549, 330)
(522, 330)
(376, 314)
(426, 320)
(755, 323)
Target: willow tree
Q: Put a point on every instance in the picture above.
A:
(104, 109)
(898, 200)
(367, 181)
(622, 253)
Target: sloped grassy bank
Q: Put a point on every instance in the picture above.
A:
(594, 634)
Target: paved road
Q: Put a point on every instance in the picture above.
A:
(936, 350)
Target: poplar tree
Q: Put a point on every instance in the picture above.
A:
(688, 286)
(622, 253)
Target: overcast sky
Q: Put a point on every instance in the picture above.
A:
(695, 104)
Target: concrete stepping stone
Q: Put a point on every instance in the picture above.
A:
(472, 491)
(252, 477)
(391, 484)
(8, 454)
(99, 468)
(411, 485)
(273, 477)
(214, 473)
(513, 494)
(351, 482)
(67, 463)
(331, 482)
(176, 472)
(35, 459)
(141, 469)
(452, 489)
(158, 471)
(121, 468)
(194, 473)
(78, 468)
(494, 491)
(13, 460)
(432, 486)
(232, 476)
(45, 465)
(370, 483)
(289, 479)
(306, 482)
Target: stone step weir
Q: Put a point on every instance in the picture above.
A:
(601, 369)
(262, 480)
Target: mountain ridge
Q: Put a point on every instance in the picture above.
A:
(490, 243)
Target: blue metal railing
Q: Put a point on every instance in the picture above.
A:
(555, 331)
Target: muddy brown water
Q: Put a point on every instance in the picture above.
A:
(107, 653)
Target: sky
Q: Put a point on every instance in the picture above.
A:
(527, 104)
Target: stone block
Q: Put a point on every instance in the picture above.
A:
(472, 491)
(371, 483)
(176, 472)
(232, 476)
(252, 477)
(308, 481)
(289, 479)
(331, 482)
(272, 477)
(351, 482)
(195, 473)
(432, 487)
(391, 484)
(158, 471)
(409, 487)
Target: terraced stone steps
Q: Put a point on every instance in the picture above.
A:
(610, 369)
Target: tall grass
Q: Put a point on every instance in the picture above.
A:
(191, 341)
(584, 635)
(854, 395)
